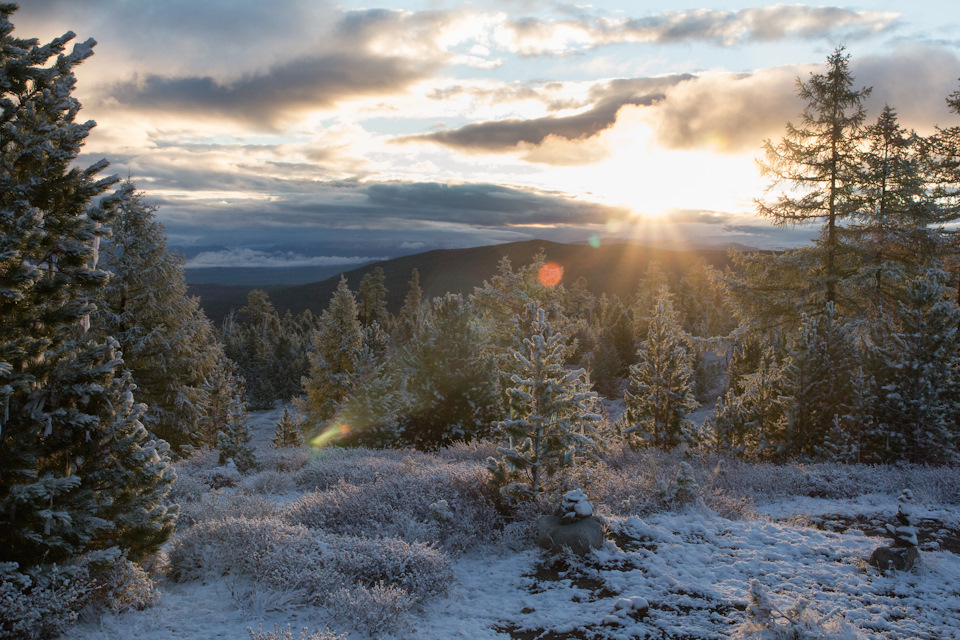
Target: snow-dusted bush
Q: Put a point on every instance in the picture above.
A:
(287, 634)
(269, 482)
(370, 610)
(216, 505)
(419, 569)
(395, 501)
(287, 460)
(118, 584)
(799, 622)
(231, 545)
(40, 604)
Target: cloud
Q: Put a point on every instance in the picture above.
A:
(242, 257)
(289, 88)
(506, 135)
(531, 36)
(486, 205)
(735, 112)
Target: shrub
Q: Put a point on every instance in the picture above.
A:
(287, 634)
(371, 610)
(394, 500)
(40, 604)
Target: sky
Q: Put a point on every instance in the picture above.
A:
(305, 132)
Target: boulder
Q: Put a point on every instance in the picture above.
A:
(900, 559)
(580, 536)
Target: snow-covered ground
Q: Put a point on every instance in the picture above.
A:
(689, 565)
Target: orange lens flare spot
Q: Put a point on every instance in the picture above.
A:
(344, 429)
(550, 274)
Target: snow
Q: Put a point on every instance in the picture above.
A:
(670, 574)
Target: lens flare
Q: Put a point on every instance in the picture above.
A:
(330, 434)
(550, 274)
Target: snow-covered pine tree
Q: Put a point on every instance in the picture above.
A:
(211, 402)
(289, 430)
(744, 417)
(816, 384)
(895, 232)
(413, 313)
(450, 378)
(660, 393)
(168, 343)
(552, 419)
(336, 359)
(233, 439)
(77, 470)
(915, 363)
(372, 299)
(613, 346)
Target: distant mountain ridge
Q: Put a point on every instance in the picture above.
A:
(610, 268)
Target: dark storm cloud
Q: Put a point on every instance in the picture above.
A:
(505, 135)
(485, 205)
(287, 88)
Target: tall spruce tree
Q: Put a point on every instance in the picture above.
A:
(412, 314)
(895, 231)
(915, 361)
(372, 299)
(168, 343)
(335, 362)
(450, 385)
(78, 471)
(816, 384)
(552, 419)
(660, 393)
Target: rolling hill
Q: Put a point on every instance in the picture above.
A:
(612, 269)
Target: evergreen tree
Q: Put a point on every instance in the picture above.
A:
(336, 359)
(660, 394)
(916, 365)
(289, 431)
(411, 317)
(78, 472)
(894, 232)
(816, 385)
(819, 163)
(744, 418)
(233, 439)
(168, 343)
(613, 345)
(552, 420)
(450, 379)
(211, 402)
(372, 299)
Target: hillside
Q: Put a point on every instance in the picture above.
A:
(612, 269)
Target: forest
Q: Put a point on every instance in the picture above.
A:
(128, 417)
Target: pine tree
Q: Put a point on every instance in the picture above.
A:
(916, 365)
(336, 359)
(818, 163)
(744, 418)
(289, 430)
(450, 379)
(372, 299)
(613, 345)
(77, 470)
(412, 314)
(660, 394)
(233, 439)
(552, 419)
(894, 233)
(168, 343)
(816, 385)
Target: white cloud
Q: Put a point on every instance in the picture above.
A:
(253, 258)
